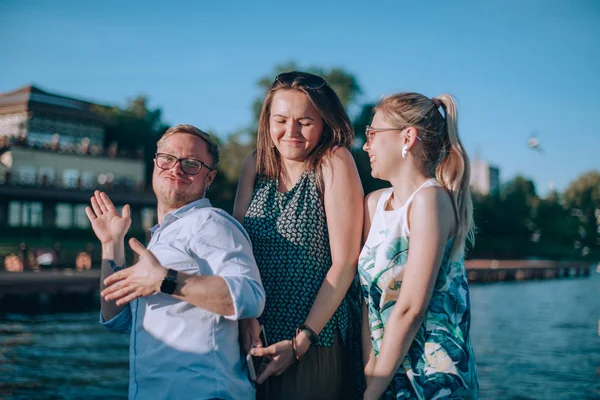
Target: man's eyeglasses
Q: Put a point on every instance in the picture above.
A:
(370, 132)
(305, 79)
(190, 166)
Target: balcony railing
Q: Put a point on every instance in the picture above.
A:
(45, 182)
(112, 151)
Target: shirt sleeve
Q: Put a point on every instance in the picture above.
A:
(121, 323)
(224, 245)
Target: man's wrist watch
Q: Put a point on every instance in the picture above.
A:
(170, 282)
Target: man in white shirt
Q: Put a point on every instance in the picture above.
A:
(197, 278)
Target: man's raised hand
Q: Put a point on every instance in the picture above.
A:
(106, 222)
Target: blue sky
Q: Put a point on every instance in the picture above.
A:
(515, 66)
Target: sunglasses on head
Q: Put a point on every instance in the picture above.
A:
(305, 79)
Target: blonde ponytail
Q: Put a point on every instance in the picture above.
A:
(454, 173)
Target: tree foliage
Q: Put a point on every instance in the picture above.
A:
(582, 200)
(518, 224)
(136, 128)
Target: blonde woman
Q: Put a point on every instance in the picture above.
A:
(416, 341)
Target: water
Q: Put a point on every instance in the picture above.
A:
(538, 339)
(533, 340)
(61, 356)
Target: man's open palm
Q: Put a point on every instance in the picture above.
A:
(106, 222)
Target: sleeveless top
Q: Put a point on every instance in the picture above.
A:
(440, 362)
(290, 241)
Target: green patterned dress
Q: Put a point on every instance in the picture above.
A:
(440, 363)
(290, 241)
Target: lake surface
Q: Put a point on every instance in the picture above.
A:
(533, 340)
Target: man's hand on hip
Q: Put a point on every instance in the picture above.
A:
(141, 279)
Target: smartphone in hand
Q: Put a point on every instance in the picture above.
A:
(257, 364)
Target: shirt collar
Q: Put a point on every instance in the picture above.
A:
(181, 212)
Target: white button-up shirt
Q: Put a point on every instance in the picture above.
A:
(178, 350)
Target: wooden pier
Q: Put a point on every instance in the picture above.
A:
(59, 290)
(50, 282)
(519, 270)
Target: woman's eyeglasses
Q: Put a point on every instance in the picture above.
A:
(370, 132)
(190, 166)
(305, 79)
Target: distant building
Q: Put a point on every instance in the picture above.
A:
(52, 158)
(485, 178)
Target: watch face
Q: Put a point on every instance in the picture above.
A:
(170, 282)
(168, 286)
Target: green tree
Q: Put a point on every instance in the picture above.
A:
(519, 200)
(506, 223)
(556, 229)
(232, 153)
(582, 201)
(136, 128)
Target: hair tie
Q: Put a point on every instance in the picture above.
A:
(436, 101)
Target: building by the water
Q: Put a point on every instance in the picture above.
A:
(52, 158)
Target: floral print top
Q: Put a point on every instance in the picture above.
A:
(440, 361)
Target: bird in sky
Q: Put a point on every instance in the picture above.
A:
(534, 143)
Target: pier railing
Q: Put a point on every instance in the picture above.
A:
(507, 270)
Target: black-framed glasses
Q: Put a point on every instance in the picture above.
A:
(190, 166)
(305, 79)
(370, 132)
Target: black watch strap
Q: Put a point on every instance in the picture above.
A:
(170, 282)
(312, 335)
